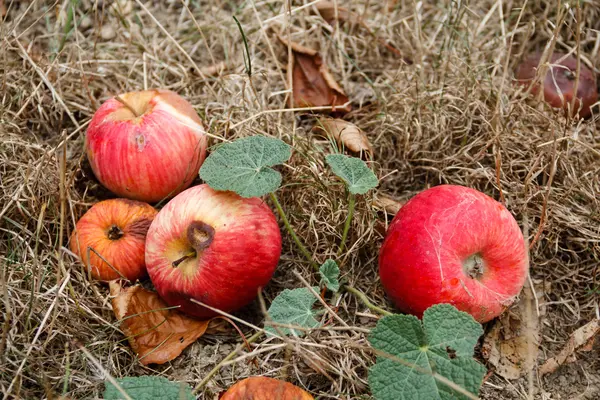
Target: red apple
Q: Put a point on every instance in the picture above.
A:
(115, 230)
(452, 244)
(212, 246)
(559, 82)
(146, 145)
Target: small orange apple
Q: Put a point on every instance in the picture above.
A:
(113, 235)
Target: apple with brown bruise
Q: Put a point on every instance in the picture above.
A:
(559, 83)
(215, 247)
(110, 239)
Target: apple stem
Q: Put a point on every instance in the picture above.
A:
(363, 297)
(120, 100)
(351, 204)
(290, 230)
(176, 263)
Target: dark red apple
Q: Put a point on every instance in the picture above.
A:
(146, 145)
(212, 246)
(452, 244)
(560, 81)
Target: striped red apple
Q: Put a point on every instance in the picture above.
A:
(212, 246)
(453, 244)
(146, 145)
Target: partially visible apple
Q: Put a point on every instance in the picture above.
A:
(453, 244)
(146, 145)
(559, 83)
(115, 233)
(212, 246)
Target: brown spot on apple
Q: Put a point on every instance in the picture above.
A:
(140, 227)
(140, 141)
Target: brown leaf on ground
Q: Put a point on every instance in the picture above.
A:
(512, 345)
(578, 339)
(386, 203)
(156, 334)
(313, 84)
(346, 133)
(263, 388)
(327, 11)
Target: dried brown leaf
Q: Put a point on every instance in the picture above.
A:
(156, 334)
(313, 84)
(512, 345)
(578, 339)
(264, 388)
(327, 11)
(386, 203)
(346, 133)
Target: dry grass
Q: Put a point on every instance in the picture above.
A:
(453, 116)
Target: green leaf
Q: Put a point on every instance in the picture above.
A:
(148, 388)
(243, 166)
(443, 343)
(354, 172)
(330, 274)
(293, 307)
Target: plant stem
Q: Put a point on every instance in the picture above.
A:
(229, 356)
(363, 297)
(351, 203)
(290, 230)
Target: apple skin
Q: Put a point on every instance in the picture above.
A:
(237, 243)
(116, 229)
(148, 157)
(563, 73)
(435, 241)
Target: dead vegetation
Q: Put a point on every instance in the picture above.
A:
(445, 111)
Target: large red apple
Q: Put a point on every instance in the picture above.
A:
(452, 244)
(146, 145)
(559, 83)
(212, 246)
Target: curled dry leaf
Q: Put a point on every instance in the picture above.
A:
(313, 84)
(155, 333)
(512, 345)
(386, 203)
(263, 388)
(346, 133)
(579, 339)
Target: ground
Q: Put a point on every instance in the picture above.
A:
(432, 87)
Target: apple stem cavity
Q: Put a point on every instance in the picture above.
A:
(115, 233)
(474, 266)
(129, 107)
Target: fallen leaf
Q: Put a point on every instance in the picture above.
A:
(345, 133)
(263, 388)
(156, 334)
(580, 338)
(386, 203)
(512, 345)
(313, 84)
(327, 11)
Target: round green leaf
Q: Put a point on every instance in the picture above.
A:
(243, 166)
(354, 172)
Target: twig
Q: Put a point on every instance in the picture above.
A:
(366, 300)
(351, 204)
